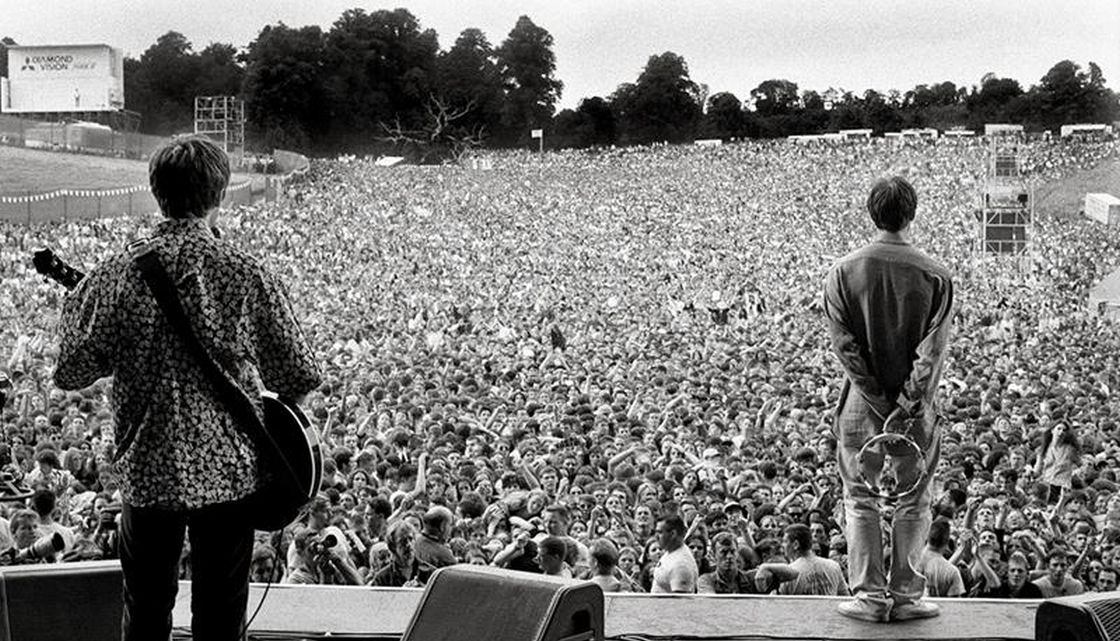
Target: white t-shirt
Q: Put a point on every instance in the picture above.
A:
(675, 572)
(942, 578)
(816, 576)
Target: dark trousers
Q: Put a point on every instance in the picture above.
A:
(151, 544)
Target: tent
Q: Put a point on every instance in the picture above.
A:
(1104, 298)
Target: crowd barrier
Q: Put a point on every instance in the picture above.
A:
(91, 204)
(37, 134)
(289, 165)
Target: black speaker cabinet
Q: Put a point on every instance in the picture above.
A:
(1087, 617)
(61, 601)
(472, 602)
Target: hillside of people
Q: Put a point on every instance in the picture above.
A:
(528, 366)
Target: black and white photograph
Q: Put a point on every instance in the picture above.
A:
(594, 320)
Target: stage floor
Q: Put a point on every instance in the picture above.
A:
(327, 611)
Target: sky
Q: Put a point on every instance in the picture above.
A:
(729, 45)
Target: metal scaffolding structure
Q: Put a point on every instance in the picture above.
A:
(222, 118)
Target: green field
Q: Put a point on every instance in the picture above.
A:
(1063, 198)
(35, 171)
(29, 170)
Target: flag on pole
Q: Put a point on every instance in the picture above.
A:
(538, 133)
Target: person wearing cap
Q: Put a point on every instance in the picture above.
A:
(889, 309)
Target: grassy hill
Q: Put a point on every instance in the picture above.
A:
(31, 170)
(36, 171)
(1064, 198)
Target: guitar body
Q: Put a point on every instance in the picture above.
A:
(289, 451)
(281, 496)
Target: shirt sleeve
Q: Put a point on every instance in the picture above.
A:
(848, 349)
(85, 326)
(287, 364)
(930, 354)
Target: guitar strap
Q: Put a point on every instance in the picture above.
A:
(229, 392)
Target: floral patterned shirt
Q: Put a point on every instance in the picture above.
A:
(187, 452)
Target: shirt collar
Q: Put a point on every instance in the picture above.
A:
(183, 225)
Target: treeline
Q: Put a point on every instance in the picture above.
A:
(373, 79)
(379, 79)
(665, 104)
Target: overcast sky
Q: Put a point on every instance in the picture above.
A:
(731, 45)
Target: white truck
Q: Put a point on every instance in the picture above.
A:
(1103, 208)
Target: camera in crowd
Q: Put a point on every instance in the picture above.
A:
(43, 548)
(321, 546)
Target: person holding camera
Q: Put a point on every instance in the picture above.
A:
(321, 561)
(29, 543)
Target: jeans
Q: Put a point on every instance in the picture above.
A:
(912, 517)
(151, 543)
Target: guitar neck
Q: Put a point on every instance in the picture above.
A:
(53, 267)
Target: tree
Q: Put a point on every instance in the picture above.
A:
(467, 74)
(378, 67)
(724, 118)
(528, 67)
(219, 71)
(592, 124)
(775, 97)
(996, 100)
(5, 42)
(283, 86)
(663, 105)
(163, 85)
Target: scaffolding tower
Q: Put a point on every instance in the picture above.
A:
(222, 118)
(1006, 211)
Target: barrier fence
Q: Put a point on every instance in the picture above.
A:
(81, 137)
(92, 204)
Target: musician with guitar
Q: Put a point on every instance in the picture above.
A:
(193, 331)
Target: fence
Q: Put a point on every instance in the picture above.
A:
(36, 134)
(92, 204)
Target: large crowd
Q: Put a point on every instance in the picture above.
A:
(551, 364)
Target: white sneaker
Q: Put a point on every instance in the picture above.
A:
(865, 610)
(916, 610)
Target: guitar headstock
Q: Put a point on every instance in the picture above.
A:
(53, 267)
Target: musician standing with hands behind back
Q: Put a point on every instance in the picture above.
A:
(182, 459)
(889, 309)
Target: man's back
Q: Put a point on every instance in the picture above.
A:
(816, 576)
(942, 578)
(187, 451)
(889, 294)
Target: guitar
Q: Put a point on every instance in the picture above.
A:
(291, 452)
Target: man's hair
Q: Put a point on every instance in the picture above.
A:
(397, 530)
(724, 539)
(1018, 558)
(940, 532)
(1057, 553)
(799, 533)
(436, 518)
(43, 502)
(675, 523)
(47, 456)
(561, 511)
(605, 553)
(892, 203)
(554, 545)
(188, 176)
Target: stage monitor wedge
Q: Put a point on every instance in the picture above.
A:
(464, 602)
(61, 601)
(1087, 617)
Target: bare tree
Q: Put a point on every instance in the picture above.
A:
(441, 135)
